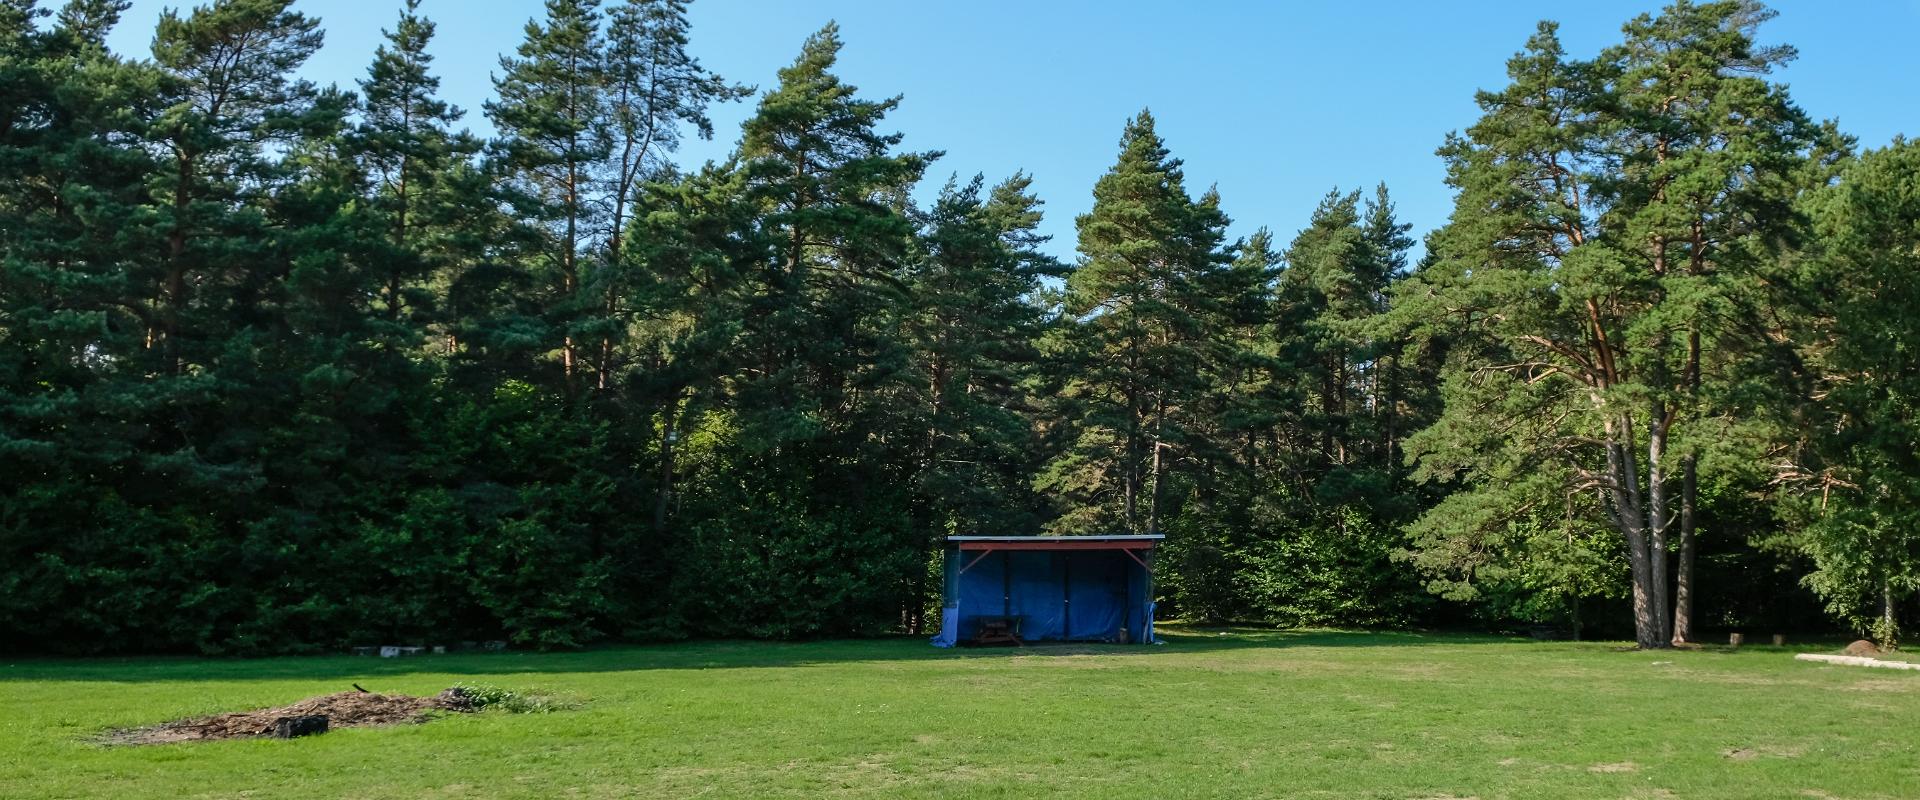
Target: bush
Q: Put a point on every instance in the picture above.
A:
(483, 697)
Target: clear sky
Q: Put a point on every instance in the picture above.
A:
(1273, 102)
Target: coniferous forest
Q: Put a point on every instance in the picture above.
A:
(289, 367)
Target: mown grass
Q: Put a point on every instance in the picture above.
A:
(1230, 714)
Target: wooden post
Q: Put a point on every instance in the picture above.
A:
(1779, 640)
(1006, 584)
(1735, 639)
(1066, 596)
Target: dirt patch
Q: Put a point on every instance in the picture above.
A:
(1623, 766)
(1757, 751)
(1902, 686)
(343, 710)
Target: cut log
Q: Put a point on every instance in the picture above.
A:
(295, 727)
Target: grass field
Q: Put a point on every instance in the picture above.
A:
(1239, 713)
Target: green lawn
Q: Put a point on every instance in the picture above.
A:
(1241, 713)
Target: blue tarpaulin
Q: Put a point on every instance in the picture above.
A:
(1065, 588)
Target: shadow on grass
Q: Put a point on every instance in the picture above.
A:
(718, 654)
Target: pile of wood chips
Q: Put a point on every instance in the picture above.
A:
(343, 710)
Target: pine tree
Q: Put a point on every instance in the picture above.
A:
(1585, 258)
(1325, 284)
(653, 89)
(1389, 376)
(971, 326)
(90, 20)
(1855, 468)
(819, 391)
(1340, 270)
(73, 407)
(1248, 394)
(832, 196)
(229, 66)
(1147, 251)
(554, 139)
(405, 143)
(1709, 149)
(1298, 517)
(698, 251)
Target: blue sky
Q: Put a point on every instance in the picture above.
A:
(1273, 102)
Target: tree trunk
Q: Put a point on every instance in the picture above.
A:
(1390, 408)
(1577, 621)
(1657, 519)
(1629, 518)
(1683, 579)
(1889, 626)
(1689, 496)
(1329, 396)
(913, 609)
(1153, 497)
(1646, 623)
(669, 436)
(1159, 431)
(1132, 477)
(176, 280)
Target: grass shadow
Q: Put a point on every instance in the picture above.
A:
(696, 655)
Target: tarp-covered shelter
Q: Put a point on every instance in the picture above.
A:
(1048, 588)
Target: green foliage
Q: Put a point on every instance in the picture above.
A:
(1601, 279)
(762, 560)
(1272, 564)
(487, 697)
(1860, 482)
(288, 368)
(1133, 360)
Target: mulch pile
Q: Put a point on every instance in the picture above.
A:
(1862, 647)
(343, 710)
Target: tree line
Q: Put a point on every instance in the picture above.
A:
(285, 367)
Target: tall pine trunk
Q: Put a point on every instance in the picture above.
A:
(1159, 430)
(1657, 520)
(1132, 487)
(1683, 573)
(1628, 511)
(176, 279)
(1689, 498)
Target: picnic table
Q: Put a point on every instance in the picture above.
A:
(999, 630)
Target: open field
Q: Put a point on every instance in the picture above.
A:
(1240, 713)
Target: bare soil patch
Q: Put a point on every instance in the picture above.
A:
(343, 710)
(1768, 751)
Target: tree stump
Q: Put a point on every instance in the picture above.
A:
(1736, 639)
(295, 727)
